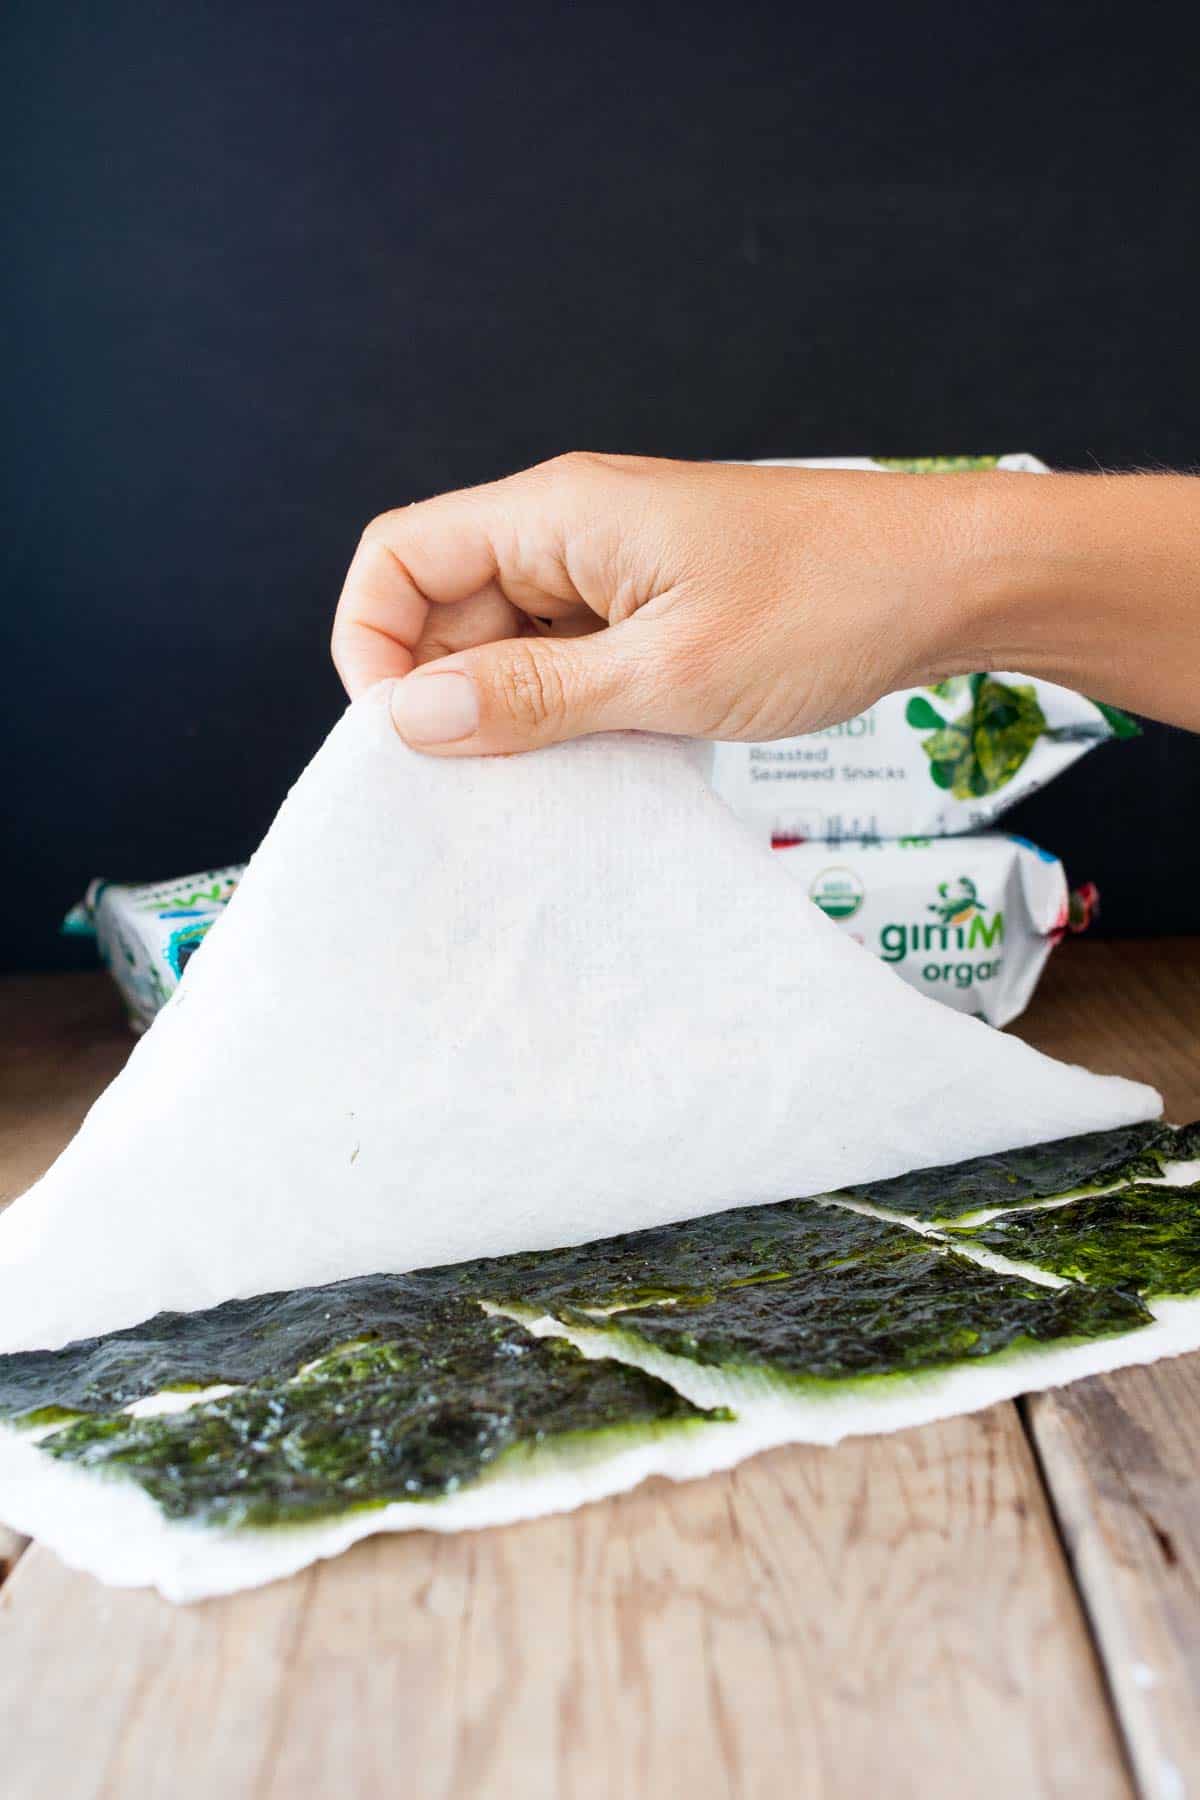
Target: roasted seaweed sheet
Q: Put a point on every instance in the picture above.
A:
(412, 1415)
(688, 1263)
(1021, 1177)
(909, 1306)
(1142, 1239)
(411, 1387)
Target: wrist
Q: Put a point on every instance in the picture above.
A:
(1030, 576)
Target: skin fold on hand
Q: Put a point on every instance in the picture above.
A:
(597, 593)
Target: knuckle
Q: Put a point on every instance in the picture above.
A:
(569, 460)
(378, 528)
(573, 466)
(531, 690)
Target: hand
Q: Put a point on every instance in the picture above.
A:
(598, 593)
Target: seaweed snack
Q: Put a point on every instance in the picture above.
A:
(800, 1288)
(687, 1264)
(1144, 1240)
(1183, 1143)
(318, 1403)
(432, 1395)
(969, 921)
(267, 1338)
(305, 1405)
(898, 1308)
(1095, 1159)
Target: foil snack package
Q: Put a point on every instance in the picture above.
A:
(922, 762)
(146, 933)
(969, 921)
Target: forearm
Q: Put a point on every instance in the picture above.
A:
(1089, 580)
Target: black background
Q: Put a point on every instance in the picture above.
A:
(279, 267)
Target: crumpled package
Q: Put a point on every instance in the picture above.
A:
(146, 933)
(514, 1003)
(969, 921)
(922, 762)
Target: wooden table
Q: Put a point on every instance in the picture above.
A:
(1006, 1604)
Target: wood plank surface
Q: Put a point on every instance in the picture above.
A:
(1121, 1454)
(62, 1039)
(894, 1616)
(1128, 1008)
(1122, 1458)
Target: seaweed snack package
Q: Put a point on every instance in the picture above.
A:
(923, 762)
(1016, 462)
(968, 921)
(146, 934)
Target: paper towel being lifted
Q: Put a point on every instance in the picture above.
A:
(461, 1008)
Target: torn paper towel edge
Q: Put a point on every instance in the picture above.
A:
(110, 1528)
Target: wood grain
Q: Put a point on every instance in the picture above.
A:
(1122, 1458)
(892, 1617)
(1121, 1453)
(62, 1039)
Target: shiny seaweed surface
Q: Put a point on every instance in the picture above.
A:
(410, 1417)
(403, 1386)
(904, 1307)
(1019, 1177)
(269, 1336)
(1142, 1239)
(1183, 1142)
(266, 1337)
(687, 1263)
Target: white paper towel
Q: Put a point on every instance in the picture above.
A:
(470, 1007)
(459, 1008)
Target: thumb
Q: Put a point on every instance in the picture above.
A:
(522, 693)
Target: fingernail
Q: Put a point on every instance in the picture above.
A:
(435, 709)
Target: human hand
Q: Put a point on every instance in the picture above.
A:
(595, 593)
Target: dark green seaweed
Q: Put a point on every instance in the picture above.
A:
(393, 1386)
(1142, 1239)
(686, 1263)
(413, 1417)
(1017, 1177)
(241, 1341)
(1183, 1143)
(911, 1307)
(272, 1335)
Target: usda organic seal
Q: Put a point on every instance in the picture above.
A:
(838, 892)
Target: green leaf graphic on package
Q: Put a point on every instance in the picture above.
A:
(937, 465)
(981, 750)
